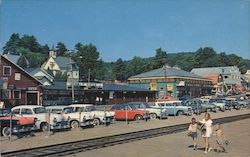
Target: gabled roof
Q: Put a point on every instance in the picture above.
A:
(34, 70)
(64, 62)
(161, 72)
(12, 58)
(21, 69)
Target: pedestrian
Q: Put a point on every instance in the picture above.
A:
(192, 131)
(206, 131)
(220, 139)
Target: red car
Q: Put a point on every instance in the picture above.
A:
(20, 124)
(125, 111)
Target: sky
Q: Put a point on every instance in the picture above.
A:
(128, 28)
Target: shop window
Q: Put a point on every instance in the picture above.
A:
(17, 94)
(6, 70)
(17, 76)
(6, 94)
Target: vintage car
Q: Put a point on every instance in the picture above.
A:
(153, 112)
(175, 107)
(78, 117)
(100, 117)
(19, 124)
(196, 106)
(127, 112)
(43, 119)
(219, 103)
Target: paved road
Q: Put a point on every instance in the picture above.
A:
(176, 145)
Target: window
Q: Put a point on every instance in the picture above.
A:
(6, 70)
(16, 111)
(26, 111)
(6, 94)
(17, 76)
(17, 94)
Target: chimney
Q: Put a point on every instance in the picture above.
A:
(52, 54)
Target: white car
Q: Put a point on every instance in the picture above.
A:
(153, 112)
(78, 117)
(43, 119)
(100, 117)
(219, 103)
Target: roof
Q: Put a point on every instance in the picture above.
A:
(64, 62)
(62, 85)
(57, 85)
(35, 70)
(213, 77)
(12, 58)
(161, 72)
(27, 106)
(115, 87)
(21, 69)
(215, 70)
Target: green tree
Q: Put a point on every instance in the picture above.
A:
(88, 59)
(160, 58)
(22, 62)
(61, 49)
(120, 70)
(45, 50)
(12, 44)
(30, 42)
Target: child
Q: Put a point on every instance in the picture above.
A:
(220, 139)
(193, 132)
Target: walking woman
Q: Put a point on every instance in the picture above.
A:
(206, 131)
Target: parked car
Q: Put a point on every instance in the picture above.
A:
(125, 111)
(243, 103)
(19, 124)
(43, 119)
(153, 112)
(59, 101)
(185, 97)
(100, 117)
(78, 117)
(196, 106)
(219, 103)
(175, 107)
(208, 106)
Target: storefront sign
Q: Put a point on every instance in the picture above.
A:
(32, 88)
(153, 86)
(170, 87)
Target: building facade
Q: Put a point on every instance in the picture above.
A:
(174, 82)
(231, 76)
(17, 86)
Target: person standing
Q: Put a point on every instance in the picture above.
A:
(206, 131)
(193, 127)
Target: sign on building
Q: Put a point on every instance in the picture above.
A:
(153, 86)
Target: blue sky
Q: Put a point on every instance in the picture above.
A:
(127, 28)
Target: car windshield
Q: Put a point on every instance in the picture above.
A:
(39, 110)
(90, 108)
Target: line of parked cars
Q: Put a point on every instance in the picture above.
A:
(28, 118)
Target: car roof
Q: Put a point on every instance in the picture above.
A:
(56, 107)
(80, 105)
(27, 106)
(172, 101)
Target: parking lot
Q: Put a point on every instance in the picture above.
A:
(119, 127)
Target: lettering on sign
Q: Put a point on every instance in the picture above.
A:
(32, 88)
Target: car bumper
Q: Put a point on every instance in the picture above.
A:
(87, 122)
(23, 129)
(60, 125)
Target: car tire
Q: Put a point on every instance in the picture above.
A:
(74, 124)
(6, 131)
(96, 122)
(179, 113)
(138, 117)
(152, 116)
